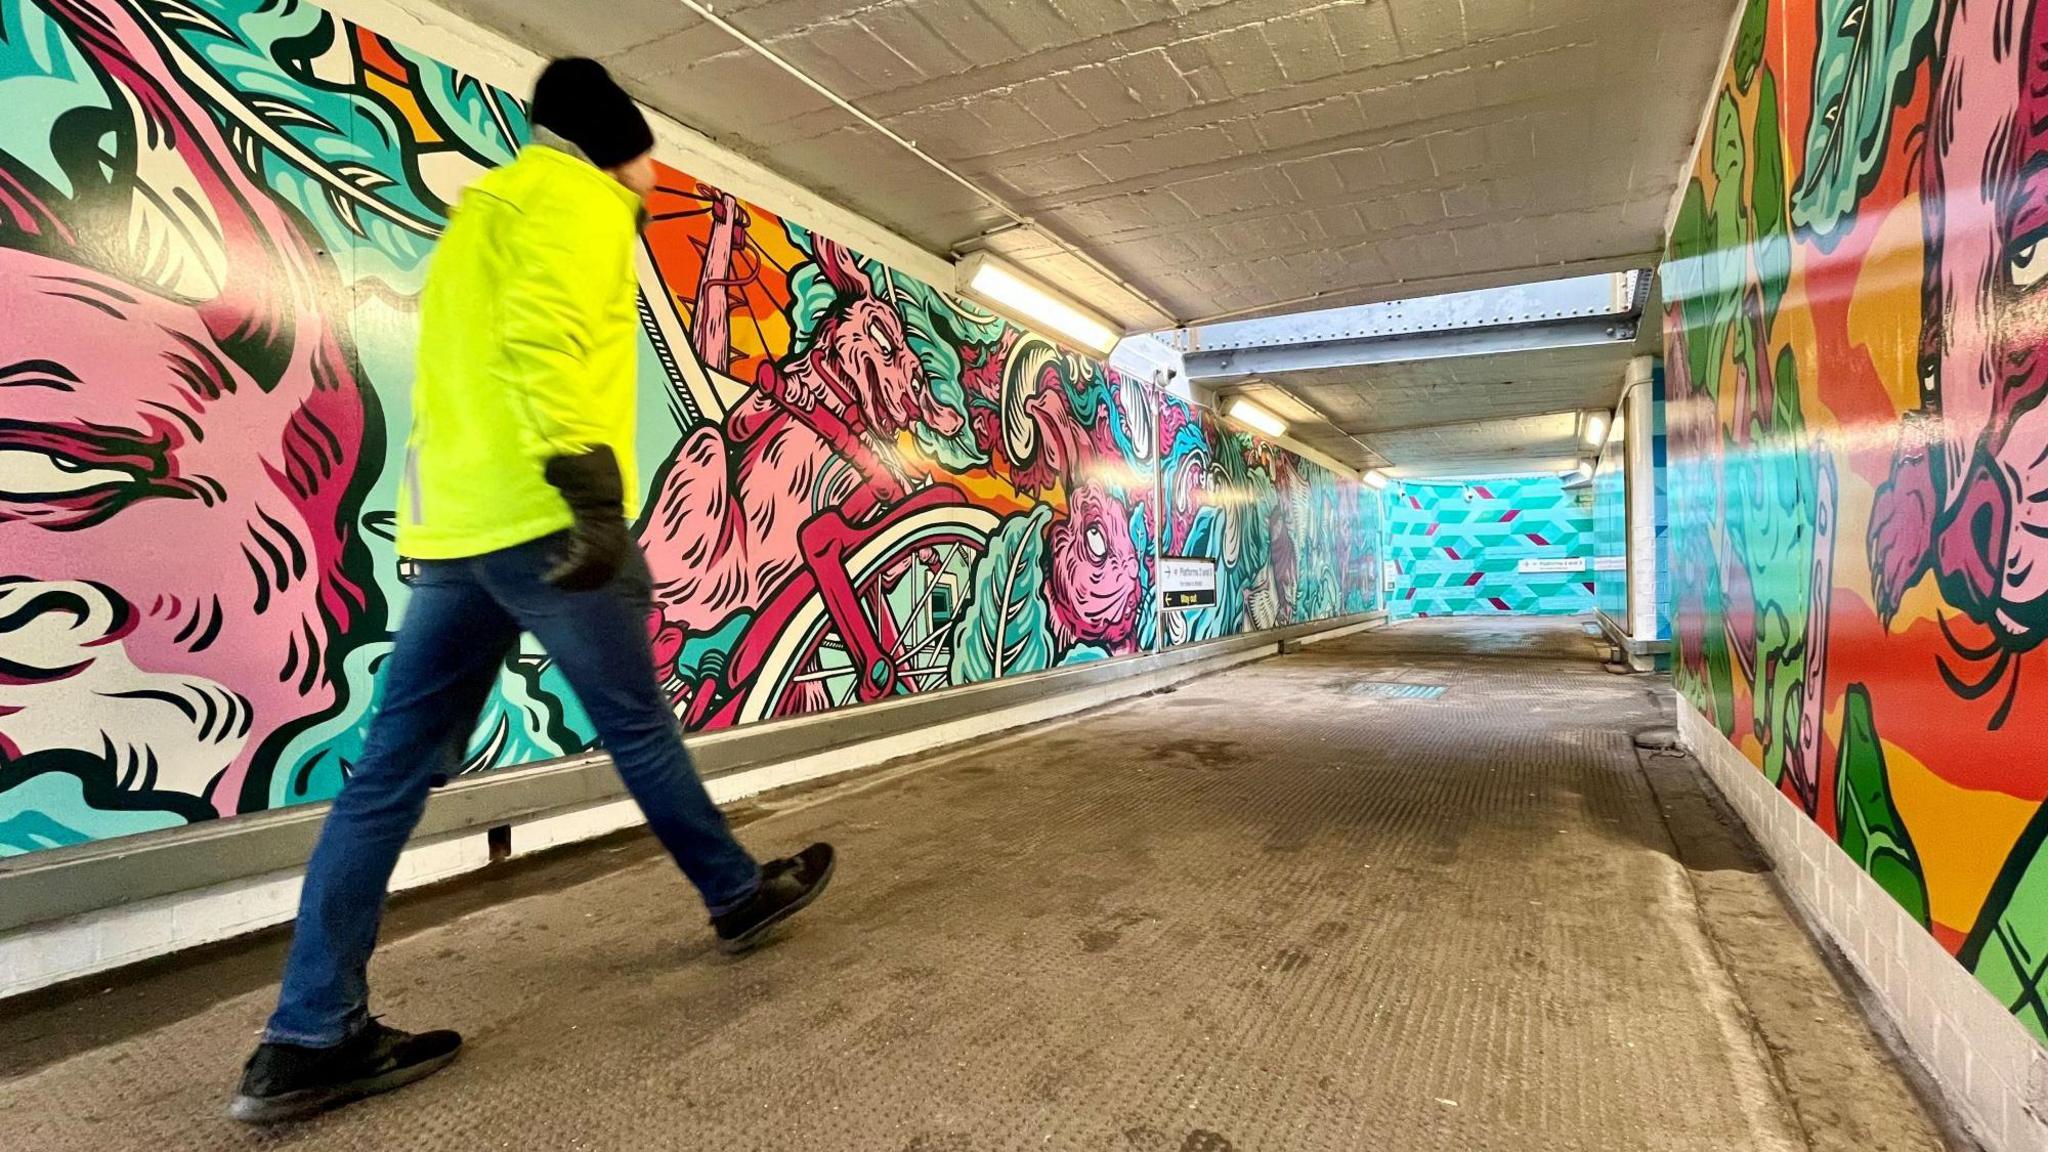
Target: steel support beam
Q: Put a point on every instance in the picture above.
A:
(1278, 359)
(1576, 298)
(1440, 425)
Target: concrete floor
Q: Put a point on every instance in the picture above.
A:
(1270, 910)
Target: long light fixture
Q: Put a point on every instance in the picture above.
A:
(1023, 299)
(1375, 479)
(1247, 413)
(1596, 429)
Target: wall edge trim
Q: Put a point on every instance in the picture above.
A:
(1699, 135)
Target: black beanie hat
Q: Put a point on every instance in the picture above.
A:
(577, 100)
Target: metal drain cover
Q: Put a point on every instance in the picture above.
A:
(1392, 690)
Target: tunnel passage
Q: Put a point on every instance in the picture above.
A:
(1260, 911)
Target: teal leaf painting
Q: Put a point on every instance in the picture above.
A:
(1003, 629)
(936, 328)
(43, 71)
(1148, 603)
(325, 146)
(1083, 654)
(487, 123)
(1869, 52)
(52, 810)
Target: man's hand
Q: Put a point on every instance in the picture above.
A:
(598, 542)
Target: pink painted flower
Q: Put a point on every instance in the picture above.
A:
(1095, 590)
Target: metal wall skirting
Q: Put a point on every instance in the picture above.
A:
(52, 885)
(1629, 644)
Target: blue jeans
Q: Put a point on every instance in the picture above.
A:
(465, 618)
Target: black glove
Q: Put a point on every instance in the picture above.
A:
(598, 542)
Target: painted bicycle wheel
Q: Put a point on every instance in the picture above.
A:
(910, 577)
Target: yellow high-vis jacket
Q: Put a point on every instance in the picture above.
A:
(528, 337)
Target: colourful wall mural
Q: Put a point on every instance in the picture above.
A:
(1856, 355)
(1521, 544)
(214, 221)
(1292, 541)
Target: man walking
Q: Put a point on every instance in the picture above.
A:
(514, 510)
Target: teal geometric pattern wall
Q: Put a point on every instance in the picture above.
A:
(1610, 531)
(1514, 544)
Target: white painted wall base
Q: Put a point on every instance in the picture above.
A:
(47, 954)
(68, 949)
(1988, 1067)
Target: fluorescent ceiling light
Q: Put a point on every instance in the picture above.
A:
(1376, 479)
(1011, 292)
(1596, 429)
(1245, 412)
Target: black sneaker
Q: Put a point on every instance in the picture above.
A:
(787, 886)
(288, 1082)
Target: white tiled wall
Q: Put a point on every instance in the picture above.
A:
(1989, 1067)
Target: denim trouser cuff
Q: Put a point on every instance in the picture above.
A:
(356, 1022)
(747, 894)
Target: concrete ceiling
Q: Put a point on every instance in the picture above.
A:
(1489, 447)
(1466, 416)
(1221, 156)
